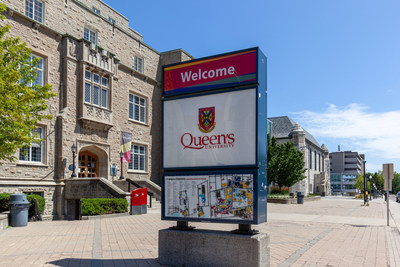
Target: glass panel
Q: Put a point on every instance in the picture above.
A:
(24, 154)
(136, 149)
(96, 78)
(142, 102)
(104, 94)
(38, 11)
(36, 154)
(87, 92)
(142, 117)
(104, 81)
(136, 113)
(96, 91)
(130, 98)
(141, 166)
(137, 100)
(88, 75)
(29, 8)
(130, 111)
(83, 157)
(135, 162)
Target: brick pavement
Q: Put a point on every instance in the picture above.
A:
(330, 232)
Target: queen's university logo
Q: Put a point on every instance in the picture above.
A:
(206, 119)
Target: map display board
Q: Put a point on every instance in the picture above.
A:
(214, 196)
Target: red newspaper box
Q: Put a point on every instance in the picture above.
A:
(144, 200)
(136, 201)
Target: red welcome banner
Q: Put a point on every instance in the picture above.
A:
(204, 74)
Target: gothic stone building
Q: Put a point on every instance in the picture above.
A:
(316, 157)
(107, 81)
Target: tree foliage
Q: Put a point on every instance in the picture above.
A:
(22, 102)
(396, 183)
(285, 163)
(376, 179)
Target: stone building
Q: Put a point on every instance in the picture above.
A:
(316, 157)
(107, 81)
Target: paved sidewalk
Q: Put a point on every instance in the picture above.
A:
(330, 232)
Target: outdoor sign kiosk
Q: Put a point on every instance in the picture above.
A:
(214, 154)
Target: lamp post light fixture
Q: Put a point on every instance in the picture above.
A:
(73, 148)
(121, 156)
(365, 187)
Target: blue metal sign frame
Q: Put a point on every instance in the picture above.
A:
(258, 170)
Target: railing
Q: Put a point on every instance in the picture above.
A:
(138, 186)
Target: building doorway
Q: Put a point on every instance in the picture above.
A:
(87, 164)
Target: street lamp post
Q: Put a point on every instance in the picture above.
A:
(73, 148)
(121, 155)
(365, 193)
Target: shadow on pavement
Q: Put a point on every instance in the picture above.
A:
(104, 262)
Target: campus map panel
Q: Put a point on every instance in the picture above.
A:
(217, 196)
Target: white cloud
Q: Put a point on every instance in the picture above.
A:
(355, 126)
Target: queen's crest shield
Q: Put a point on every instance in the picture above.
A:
(206, 119)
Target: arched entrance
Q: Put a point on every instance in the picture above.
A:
(88, 164)
(92, 162)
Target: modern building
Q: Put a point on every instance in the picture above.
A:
(316, 157)
(108, 81)
(345, 167)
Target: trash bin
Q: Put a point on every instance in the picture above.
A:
(19, 206)
(300, 198)
(136, 202)
(143, 196)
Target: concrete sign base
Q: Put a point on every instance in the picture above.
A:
(212, 248)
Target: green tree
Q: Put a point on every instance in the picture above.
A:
(271, 158)
(22, 102)
(396, 183)
(285, 164)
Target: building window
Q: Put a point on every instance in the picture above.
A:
(110, 19)
(137, 108)
(138, 158)
(90, 36)
(39, 67)
(34, 152)
(138, 64)
(315, 160)
(97, 89)
(310, 160)
(95, 10)
(34, 10)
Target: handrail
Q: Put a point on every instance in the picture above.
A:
(138, 186)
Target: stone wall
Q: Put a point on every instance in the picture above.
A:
(59, 39)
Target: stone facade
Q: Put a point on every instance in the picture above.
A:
(95, 129)
(316, 157)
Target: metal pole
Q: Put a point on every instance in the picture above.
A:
(387, 195)
(365, 195)
(122, 166)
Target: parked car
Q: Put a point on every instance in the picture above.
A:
(398, 197)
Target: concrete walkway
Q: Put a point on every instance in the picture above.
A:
(330, 232)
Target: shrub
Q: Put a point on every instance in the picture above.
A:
(5, 199)
(284, 190)
(98, 206)
(40, 202)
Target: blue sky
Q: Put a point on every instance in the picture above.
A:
(333, 66)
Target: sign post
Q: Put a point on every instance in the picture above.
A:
(388, 174)
(214, 158)
(214, 139)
